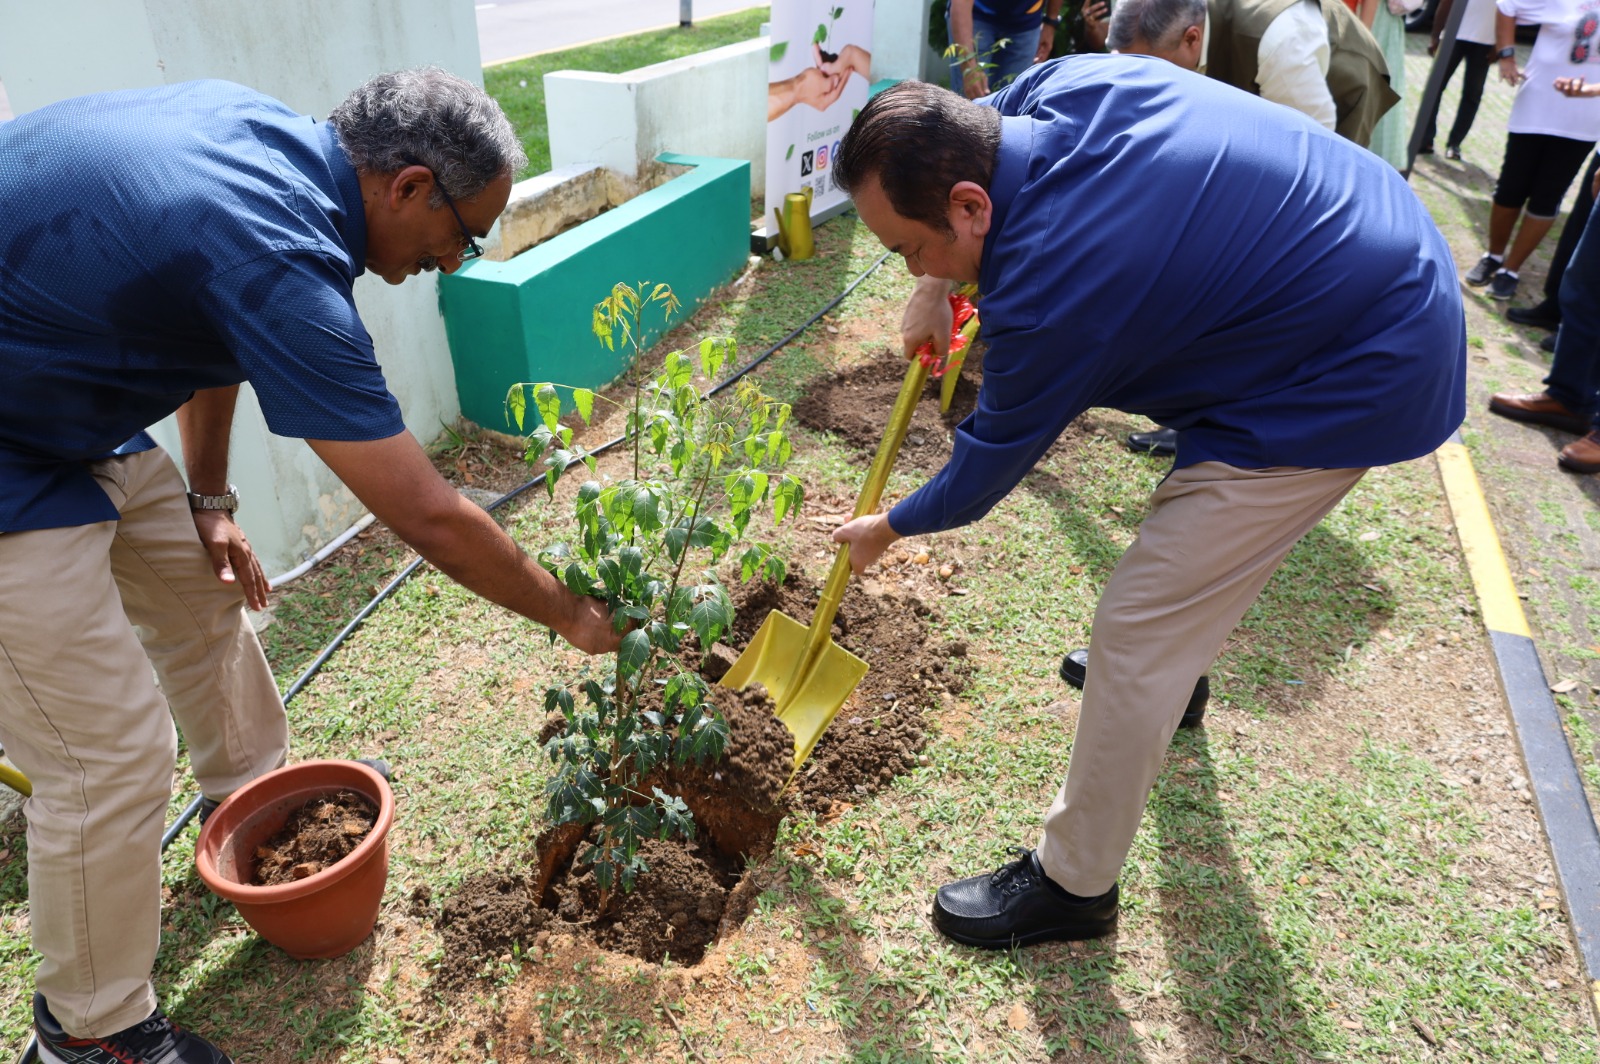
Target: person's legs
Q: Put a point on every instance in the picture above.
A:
(1213, 538)
(1560, 159)
(81, 717)
(1456, 55)
(1577, 357)
(1570, 232)
(194, 628)
(1476, 57)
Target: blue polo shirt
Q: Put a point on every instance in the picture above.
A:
(1171, 246)
(160, 241)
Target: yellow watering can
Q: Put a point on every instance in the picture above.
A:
(794, 225)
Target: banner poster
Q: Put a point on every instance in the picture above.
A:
(818, 76)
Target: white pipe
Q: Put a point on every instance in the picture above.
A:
(310, 563)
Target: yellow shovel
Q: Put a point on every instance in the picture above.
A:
(806, 673)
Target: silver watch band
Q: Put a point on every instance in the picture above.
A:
(228, 502)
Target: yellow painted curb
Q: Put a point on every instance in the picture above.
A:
(1497, 595)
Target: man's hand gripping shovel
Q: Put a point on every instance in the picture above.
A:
(808, 676)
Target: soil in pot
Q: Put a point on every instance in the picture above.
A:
(320, 833)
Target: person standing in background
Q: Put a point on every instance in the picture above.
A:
(995, 40)
(1474, 45)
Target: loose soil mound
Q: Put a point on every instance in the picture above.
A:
(484, 917)
(854, 404)
(675, 908)
(320, 833)
(694, 892)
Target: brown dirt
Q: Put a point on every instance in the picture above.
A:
(320, 833)
(484, 918)
(675, 908)
(854, 404)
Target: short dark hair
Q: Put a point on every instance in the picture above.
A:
(919, 140)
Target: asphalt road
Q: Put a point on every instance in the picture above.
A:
(511, 28)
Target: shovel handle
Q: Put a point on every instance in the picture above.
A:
(877, 476)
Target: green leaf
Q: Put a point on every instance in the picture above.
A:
(789, 154)
(778, 51)
(583, 399)
(549, 403)
(837, 12)
(821, 35)
(646, 509)
(516, 404)
(790, 494)
(676, 371)
(713, 353)
(711, 616)
(633, 655)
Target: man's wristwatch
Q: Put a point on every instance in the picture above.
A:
(1508, 52)
(228, 502)
(1052, 20)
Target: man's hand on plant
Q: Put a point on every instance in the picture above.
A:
(232, 559)
(867, 536)
(1577, 87)
(590, 628)
(927, 318)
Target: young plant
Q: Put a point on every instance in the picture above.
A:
(648, 545)
(825, 31)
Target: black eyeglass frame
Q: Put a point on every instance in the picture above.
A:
(472, 249)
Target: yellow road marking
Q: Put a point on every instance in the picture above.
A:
(1497, 595)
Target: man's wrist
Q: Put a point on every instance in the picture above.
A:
(227, 501)
(1508, 52)
(1053, 21)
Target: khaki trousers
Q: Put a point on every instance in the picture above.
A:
(82, 717)
(1214, 536)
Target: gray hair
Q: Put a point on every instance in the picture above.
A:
(428, 116)
(1158, 23)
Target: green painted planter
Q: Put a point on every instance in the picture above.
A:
(528, 319)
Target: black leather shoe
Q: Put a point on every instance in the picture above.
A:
(1075, 666)
(1161, 441)
(376, 764)
(1545, 315)
(1017, 905)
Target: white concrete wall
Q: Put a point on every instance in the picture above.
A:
(310, 54)
(713, 103)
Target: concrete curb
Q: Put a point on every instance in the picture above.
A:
(1558, 794)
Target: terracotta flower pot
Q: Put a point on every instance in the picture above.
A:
(327, 914)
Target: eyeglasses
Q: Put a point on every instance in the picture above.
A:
(471, 249)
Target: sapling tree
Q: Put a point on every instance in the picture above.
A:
(648, 545)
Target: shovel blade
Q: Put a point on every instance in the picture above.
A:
(806, 704)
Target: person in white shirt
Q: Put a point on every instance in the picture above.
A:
(1549, 134)
(1474, 46)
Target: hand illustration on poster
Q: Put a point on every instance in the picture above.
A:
(818, 77)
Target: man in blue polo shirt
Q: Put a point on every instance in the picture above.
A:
(158, 248)
(1150, 240)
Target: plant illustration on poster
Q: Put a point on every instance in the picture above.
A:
(819, 72)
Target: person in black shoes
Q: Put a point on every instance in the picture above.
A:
(153, 1040)
(1546, 314)
(1293, 337)
(1075, 670)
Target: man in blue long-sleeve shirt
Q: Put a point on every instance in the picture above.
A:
(1149, 240)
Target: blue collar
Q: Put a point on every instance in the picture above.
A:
(352, 221)
(1010, 171)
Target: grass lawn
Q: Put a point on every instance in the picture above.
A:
(1343, 864)
(519, 85)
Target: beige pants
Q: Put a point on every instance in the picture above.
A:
(82, 717)
(1214, 536)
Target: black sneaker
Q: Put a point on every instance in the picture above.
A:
(1480, 274)
(1503, 285)
(1161, 441)
(1453, 153)
(209, 805)
(1543, 315)
(1075, 668)
(1017, 905)
(155, 1041)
